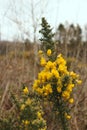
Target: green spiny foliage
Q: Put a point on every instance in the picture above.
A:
(26, 115)
(47, 36)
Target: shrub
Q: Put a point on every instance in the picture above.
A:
(26, 115)
(56, 84)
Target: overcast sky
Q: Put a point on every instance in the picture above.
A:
(16, 15)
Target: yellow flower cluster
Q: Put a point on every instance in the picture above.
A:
(67, 93)
(55, 73)
(39, 119)
(27, 102)
(25, 122)
(39, 115)
(67, 116)
(43, 61)
(31, 114)
(45, 90)
(22, 107)
(25, 90)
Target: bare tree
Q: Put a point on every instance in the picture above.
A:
(26, 16)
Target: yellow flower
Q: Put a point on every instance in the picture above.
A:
(63, 69)
(26, 122)
(48, 75)
(70, 87)
(39, 90)
(42, 76)
(71, 100)
(22, 107)
(50, 65)
(25, 90)
(40, 52)
(28, 101)
(66, 95)
(22, 121)
(36, 84)
(47, 89)
(59, 89)
(73, 75)
(49, 52)
(60, 60)
(59, 83)
(42, 61)
(79, 81)
(55, 73)
(39, 115)
(67, 116)
(60, 55)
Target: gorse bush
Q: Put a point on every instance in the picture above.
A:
(56, 84)
(27, 114)
(31, 113)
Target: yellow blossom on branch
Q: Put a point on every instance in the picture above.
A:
(60, 60)
(22, 107)
(40, 52)
(67, 116)
(70, 87)
(47, 90)
(71, 100)
(73, 74)
(39, 115)
(25, 90)
(49, 52)
(79, 82)
(42, 61)
(26, 122)
(55, 73)
(28, 101)
(59, 89)
(50, 65)
(66, 95)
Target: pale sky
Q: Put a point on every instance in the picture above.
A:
(16, 15)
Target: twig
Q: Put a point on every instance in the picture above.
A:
(5, 92)
(79, 102)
